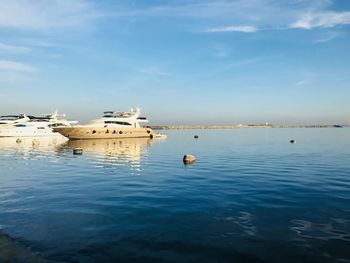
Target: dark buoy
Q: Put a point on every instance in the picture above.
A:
(196, 136)
(77, 151)
(292, 141)
(189, 159)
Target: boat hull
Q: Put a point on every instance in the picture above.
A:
(23, 132)
(104, 132)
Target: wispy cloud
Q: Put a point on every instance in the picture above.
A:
(13, 49)
(327, 38)
(244, 29)
(322, 19)
(8, 65)
(46, 14)
(11, 77)
(239, 63)
(154, 72)
(301, 82)
(246, 16)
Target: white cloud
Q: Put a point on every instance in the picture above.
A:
(45, 14)
(245, 29)
(154, 72)
(7, 65)
(329, 37)
(242, 14)
(13, 49)
(11, 77)
(301, 82)
(322, 19)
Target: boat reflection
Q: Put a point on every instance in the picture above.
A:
(114, 151)
(27, 144)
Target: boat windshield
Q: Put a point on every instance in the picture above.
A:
(111, 114)
(10, 117)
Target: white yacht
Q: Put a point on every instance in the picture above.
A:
(53, 120)
(11, 119)
(112, 125)
(35, 126)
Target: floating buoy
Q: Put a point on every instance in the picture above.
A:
(189, 159)
(18, 140)
(77, 151)
(160, 135)
(196, 136)
(292, 141)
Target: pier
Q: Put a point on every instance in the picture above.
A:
(183, 127)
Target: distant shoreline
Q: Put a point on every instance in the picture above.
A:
(188, 127)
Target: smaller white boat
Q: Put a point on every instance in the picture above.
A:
(35, 126)
(12, 119)
(27, 129)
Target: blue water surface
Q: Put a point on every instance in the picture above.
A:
(251, 196)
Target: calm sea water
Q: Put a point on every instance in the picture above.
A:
(251, 196)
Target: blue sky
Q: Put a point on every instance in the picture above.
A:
(181, 62)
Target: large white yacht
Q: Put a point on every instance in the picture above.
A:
(112, 125)
(11, 119)
(35, 126)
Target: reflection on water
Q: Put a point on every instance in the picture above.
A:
(328, 231)
(27, 144)
(131, 148)
(114, 151)
(250, 197)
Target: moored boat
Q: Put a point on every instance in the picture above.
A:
(31, 126)
(112, 125)
(12, 119)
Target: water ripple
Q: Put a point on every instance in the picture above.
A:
(250, 196)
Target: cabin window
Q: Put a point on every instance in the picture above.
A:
(107, 131)
(148, 131)
(114, 132)
(120, 132)
(93, 132)
(57, 125)
(118, 122)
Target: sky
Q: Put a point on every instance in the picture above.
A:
(180, 61)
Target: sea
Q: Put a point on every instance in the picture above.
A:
(250, 196)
